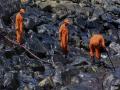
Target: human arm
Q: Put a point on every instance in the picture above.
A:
(103, 42)
(17, 23)
(60, 34)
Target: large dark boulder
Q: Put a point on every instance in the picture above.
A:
(107, 17)
(114, 9)
(112, 82)
(66, 9)
(34, 17)
(36, 46)
(8, 9)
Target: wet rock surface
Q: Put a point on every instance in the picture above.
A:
(50, 70)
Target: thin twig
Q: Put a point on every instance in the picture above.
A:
(13, 42)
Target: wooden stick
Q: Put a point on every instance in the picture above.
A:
(111, 61)
(42, 61)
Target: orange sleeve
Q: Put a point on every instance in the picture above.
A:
(67, 37)
(21, 24)
(60, 32)
(103, 42)
(17, 22)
